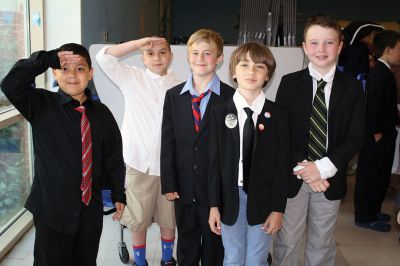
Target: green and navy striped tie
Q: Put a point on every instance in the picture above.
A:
(318, 124)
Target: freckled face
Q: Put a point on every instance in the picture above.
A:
(322, 46)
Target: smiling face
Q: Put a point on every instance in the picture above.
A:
(203, 59)
(74, 78)
(322, 45)
(250, 76)
(158, 58)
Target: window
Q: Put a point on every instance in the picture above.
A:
(15, 144)
(13, 38)
(15, 165)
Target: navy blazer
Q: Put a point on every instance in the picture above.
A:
(184, 152)
(346, 123)
(269, 169)
(381, 101)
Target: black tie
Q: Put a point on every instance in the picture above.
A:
(318, 124)
(248, 135)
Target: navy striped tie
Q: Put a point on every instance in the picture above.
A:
(318, 124)
(196, 100)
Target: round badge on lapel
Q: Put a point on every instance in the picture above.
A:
(231, 120)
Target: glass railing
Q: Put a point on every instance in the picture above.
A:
(15, 167)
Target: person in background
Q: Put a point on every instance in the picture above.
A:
(376, 156)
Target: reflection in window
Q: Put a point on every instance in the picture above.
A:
(13, 37)
(14, 171)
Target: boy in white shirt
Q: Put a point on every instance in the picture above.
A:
(144, 91)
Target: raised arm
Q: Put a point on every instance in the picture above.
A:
(18, 85)
(125, 48)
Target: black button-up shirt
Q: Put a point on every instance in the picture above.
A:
(55, 197)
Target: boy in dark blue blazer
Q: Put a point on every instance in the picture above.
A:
(184, 149)
(248, 182)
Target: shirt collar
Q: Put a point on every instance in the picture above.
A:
(66, 98)
(328, 77)
(213, 85)
(383, 61)
(241, 103)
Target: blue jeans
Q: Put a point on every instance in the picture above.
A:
(245, 244)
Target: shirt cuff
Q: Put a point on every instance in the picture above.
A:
(326, 168)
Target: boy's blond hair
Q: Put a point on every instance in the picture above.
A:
(259, 53)
(325, 22)
(209, 36)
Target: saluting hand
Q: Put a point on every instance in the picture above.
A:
(68, 57)
(149, 42)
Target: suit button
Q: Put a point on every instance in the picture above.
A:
(195, 148)
(195, 167)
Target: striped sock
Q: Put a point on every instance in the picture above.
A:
(167, 249)
(139, 254)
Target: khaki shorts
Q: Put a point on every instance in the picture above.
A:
(144, 201)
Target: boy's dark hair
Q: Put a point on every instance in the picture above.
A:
(259, 53)
(323, 21)
(384, 39)
(77, 49)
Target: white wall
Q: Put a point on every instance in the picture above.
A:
(62, 22)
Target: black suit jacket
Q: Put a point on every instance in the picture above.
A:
(269, 170)
(346, 120)
(184, 153)
(381, 101)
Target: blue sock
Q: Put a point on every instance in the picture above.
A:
(167, 249)
(139, 254)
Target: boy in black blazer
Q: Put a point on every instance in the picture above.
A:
(376, 156)
(327, 127)
(184, 149)
(248, 189)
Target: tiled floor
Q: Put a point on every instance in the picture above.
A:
(355, 246)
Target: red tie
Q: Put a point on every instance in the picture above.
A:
(86, 185)
(196, 100)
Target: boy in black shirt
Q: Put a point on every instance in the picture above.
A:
(77, 144)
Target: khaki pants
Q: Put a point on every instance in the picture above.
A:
(144, 201)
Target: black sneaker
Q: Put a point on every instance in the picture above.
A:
(171, 262)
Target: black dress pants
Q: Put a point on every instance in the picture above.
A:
(373, 175)
(53, 248)
(195, 240)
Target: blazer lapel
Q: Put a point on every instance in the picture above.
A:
(214, 99)
(185, 103)
(336, 93)
(263, 123)
(232, 135)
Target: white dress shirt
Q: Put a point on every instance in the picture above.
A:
(144, 93)
(240, 103)
(325, 166)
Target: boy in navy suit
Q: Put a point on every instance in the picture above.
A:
(376, 156)
(184, 149)
(248, 182)
(326, 109)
